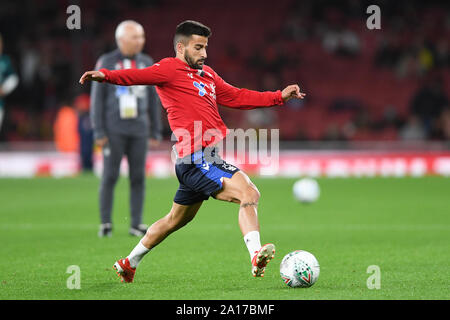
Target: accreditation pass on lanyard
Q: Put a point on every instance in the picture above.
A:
(128, 106)
(127, 101)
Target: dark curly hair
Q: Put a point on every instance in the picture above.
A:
(187, 28)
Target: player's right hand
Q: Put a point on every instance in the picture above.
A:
(92, 76)
(292, 91)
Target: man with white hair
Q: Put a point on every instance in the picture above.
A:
(8, 79)
(123, 119)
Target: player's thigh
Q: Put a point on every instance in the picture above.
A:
(237, 188)
(181, 214)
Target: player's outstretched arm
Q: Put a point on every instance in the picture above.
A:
(245, 99)
(92, 76)
(157, 74)
(292, 91)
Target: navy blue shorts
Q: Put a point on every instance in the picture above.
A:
(200, 175)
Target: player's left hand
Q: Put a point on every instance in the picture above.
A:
(292, 91)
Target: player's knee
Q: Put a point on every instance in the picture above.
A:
(251, 194)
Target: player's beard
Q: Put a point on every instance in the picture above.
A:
(192, 63)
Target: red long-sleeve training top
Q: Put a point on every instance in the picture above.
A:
(190, 97)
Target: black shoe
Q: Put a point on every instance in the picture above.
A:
(139, 230)
(105, 230)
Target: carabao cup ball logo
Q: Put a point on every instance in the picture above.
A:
(303, 273)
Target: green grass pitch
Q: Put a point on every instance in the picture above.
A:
(401, 225)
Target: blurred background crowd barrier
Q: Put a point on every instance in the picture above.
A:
(377, 100)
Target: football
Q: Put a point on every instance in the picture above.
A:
(306, 190)
(299, 269)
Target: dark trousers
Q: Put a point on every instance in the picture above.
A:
(135, 149)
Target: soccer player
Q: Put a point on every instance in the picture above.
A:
(190, 92)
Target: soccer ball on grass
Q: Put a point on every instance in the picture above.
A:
(299, 269)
